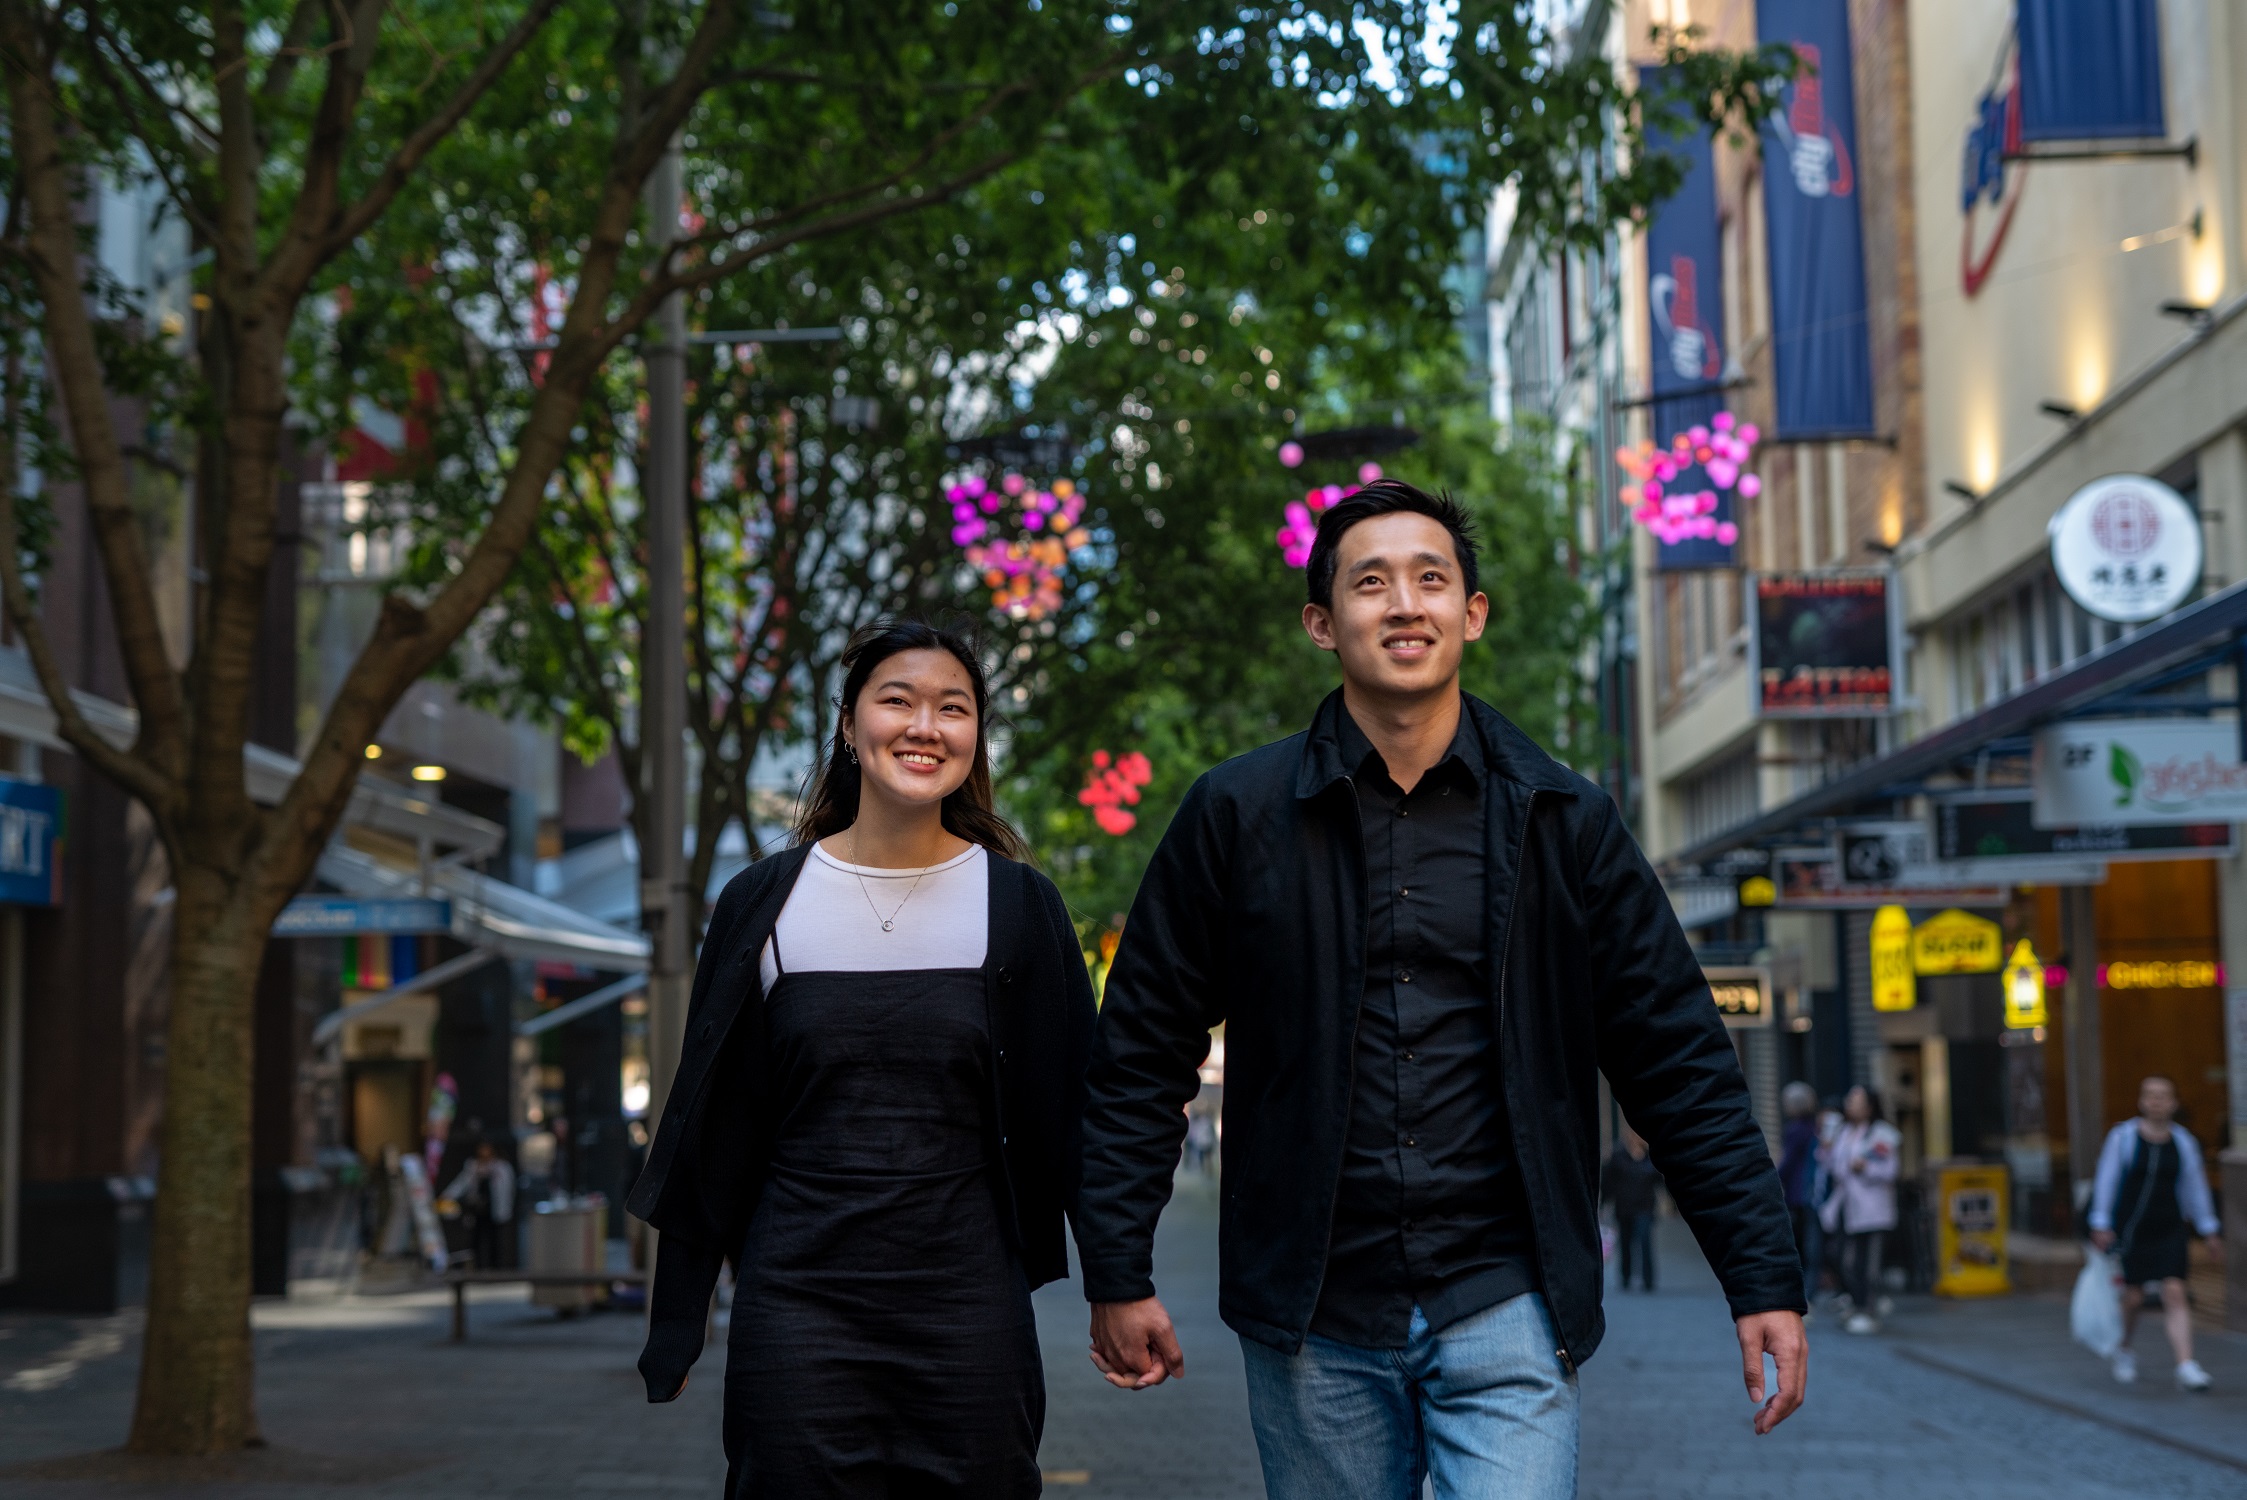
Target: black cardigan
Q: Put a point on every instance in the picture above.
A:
(706, 1167)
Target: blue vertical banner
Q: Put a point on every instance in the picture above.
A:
(1821, 343)
(1685, 303)
(2090, 69)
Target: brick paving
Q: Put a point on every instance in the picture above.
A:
(364, 1400)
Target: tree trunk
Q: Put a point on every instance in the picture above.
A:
(196, 1394)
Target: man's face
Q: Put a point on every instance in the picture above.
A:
(1401, 616)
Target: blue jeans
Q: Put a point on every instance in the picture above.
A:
(1487, 1406)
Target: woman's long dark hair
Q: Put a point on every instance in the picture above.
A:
(967, 812)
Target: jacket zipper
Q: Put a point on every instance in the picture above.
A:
(1357, 1023)
(1505, 959)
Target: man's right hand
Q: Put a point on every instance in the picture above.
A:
(2103, 1238)
(1133, 1344)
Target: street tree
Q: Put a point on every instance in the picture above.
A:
(291, 139)
(369, 184)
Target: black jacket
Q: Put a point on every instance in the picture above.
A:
(706, 1166)
(1253, 913)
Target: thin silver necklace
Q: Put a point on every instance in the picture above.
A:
(889, 923)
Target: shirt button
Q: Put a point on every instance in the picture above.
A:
(1411, 1057)
(1412, 1140)
(1403, 977)
(1404, 890)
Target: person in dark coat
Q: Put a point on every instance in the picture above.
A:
(1629, 1184)
(876, 1116)
(1426, 940)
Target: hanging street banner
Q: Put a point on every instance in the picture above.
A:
(2135, 771)
(2126, 548)
(1995, 832)
(1685, 301)
(1823, 645)
(1821, 343)
(2090, 69)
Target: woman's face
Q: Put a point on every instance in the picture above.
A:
(914, 727)
(2157, 1100)
(1857, 1107)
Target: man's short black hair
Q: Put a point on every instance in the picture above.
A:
(1386, 497)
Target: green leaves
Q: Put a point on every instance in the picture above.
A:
(2124, 770)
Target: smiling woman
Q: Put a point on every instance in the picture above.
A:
(897, 1016)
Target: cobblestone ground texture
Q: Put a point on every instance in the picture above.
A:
(365, 1400)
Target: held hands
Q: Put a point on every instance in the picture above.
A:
(1780, 1335)
(1133, 1344)
(2103, 1238)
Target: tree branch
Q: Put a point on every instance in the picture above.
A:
(354, 221)
(128, 770)
(52, 251)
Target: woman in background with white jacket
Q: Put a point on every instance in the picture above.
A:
(1861, 1160)
(2151, 1179)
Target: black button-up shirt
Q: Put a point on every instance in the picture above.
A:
(1430, 1211)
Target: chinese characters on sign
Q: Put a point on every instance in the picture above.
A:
(2126, 548)
(2138, 771)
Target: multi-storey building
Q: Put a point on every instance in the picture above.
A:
(1986, 256)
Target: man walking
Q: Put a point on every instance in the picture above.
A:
(1425, 939)
(1630, 1186)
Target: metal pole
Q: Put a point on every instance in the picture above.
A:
(664, 907)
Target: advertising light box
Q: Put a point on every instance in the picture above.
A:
(1824, 644)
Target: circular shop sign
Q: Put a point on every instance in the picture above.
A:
(2126, 548)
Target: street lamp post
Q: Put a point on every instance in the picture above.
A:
(665, 907)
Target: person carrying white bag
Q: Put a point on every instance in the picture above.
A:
(2150, 1191)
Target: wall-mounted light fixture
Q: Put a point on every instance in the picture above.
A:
(2197, 314)
(1964, 491)
(429, 773)
(2062, 410)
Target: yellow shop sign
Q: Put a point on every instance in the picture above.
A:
(1892, 986)
(2024, 988)
(1957, 942)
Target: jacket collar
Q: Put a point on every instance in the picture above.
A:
(1506, 751)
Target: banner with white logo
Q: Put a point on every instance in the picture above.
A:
(2138, 771)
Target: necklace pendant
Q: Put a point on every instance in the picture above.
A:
(888, 926)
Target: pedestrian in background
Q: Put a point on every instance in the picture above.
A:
(1862, 1161)
(485, 1191)
(1428, 941)
(1629, 1184)
(876, 1117)
(2150, 1191)
(1803, 1178)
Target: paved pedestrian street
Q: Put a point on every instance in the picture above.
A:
(365, 1400)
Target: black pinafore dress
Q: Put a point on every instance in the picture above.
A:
(882, 1342)
(2153, 1228)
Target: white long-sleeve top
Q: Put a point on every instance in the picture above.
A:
(1864, 1196)
(940, 918)
(2193, 1200)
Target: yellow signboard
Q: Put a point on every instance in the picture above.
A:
(2024, 988)
(1957, 942)
(1892, 987)
(1972, 1209)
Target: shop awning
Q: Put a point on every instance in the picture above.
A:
(26, 715)
(2198, 630)
(493, 915)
